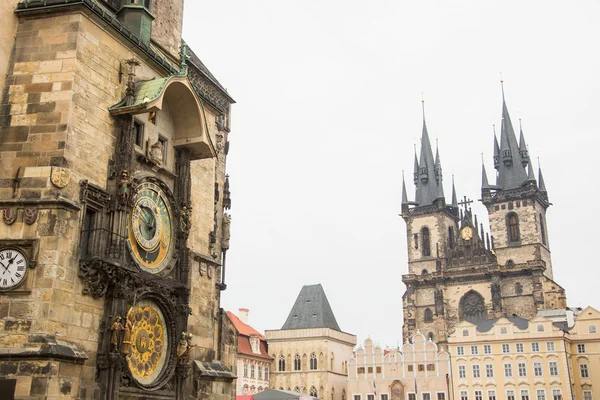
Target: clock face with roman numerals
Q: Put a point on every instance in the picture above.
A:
(13, 267)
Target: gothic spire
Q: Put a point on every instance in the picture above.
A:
(511, 171)
(523, 147)
(496, 150)
(416, 168)
(404, 195)
(454, 199)
(530, 174)
(427, 186)
(484, 179)
(541, 183)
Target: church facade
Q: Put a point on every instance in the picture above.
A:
(459, 272)
(114, 197)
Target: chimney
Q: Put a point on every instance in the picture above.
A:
(243, 315)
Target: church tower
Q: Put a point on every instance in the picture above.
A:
(458, 272)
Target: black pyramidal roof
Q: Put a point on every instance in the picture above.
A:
(311, 310)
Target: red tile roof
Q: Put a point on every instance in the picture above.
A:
(245, 331)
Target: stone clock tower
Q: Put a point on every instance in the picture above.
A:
(113, 147)
(457, 271)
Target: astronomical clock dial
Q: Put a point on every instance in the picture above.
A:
(150, 229)
(466, 233)
(149, 342)
(13, 267)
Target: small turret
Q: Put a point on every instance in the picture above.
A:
(523, 147)
(416, 170)
(496, 150)
(454, 198)
(404, 205)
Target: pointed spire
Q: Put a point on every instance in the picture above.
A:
(454, 199)
(416, 171)
(523, 146)
(484, 179)
(496, 150)
(404, 195)
(511, 172)
(541, 183)
(530, 174)
(427, 190)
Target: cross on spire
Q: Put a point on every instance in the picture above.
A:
(465, 202)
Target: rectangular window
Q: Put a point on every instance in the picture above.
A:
(412, 396)
(581, 348)
(520, 348)
(462, 371)
(553, 368)
(259, 372)
(587, 395)
(540, 394)
(487, 349)
(357, 397)
(489, 371)
(378, 370)
(266, 373)
(478, 395)
(426, 396)
(370, 397)
(138, 134)
(556, 394)
(464, 395)
(524, 394)
(535, 347)
(503, 330)
(370, 370)
(550, 346)
(505, 348)
(583, 368)
(474, 350)
(460, 351)
(430, 367)
(508, 371)
(421, 367)
(361, 370)
(491, 395)
(522, 369)
(442, 396)
(476, 371)
(384, 396)
(537, 369)
(410, 368)
(510, 394)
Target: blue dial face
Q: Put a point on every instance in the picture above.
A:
(13, 267)
(150, 228)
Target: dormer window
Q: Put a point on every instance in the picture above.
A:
(255, 344)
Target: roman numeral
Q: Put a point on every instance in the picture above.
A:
(20, 261)
(21, 268)
(9, 254)
(18, 275)
(4, 282)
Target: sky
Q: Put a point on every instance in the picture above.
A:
(329, 108)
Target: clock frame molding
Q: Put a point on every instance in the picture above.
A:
(30, 249)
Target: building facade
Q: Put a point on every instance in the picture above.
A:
(253, 361)
(458, 272)
(113, 144)
(419, 370)
(516, 359)
(310, 351)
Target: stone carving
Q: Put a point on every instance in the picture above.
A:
(226, 231)
(439, 302)
(155, 153)
(126, 346)
(115, 329)
(226, 194)
(183, 348)
(209, 271)
(9, 215)
(124, 185)
(185, 220)
(93, 196)
(60, 177)
(220, 144)
(30, 215)
(96, 276)
(472, 307)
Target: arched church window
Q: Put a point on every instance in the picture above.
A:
(472, 307)
(542, 229)
(343, 394)
(513, 228)
(451, 237)
(518, 289)
(428, 315)
(281, 363)
(313, 391)
(297, 362)
(425, 242)
(313, 361)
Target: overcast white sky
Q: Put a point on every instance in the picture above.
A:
(329, 105)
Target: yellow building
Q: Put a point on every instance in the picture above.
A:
(518, 359)
(417, 371)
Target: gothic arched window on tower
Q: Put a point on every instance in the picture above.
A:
(425, 242)
(542, 230)
(472, 307)
(313, 391)
(513, 228)
(313, 361)
(297, 362)
(281, 363)
(518, 289)
(428, 315)
(451, 237)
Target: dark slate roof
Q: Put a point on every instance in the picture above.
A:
(487, 324)
(194, 59)
(311, 310)
(510, 175)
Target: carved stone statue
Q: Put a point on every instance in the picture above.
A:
(126, 346)
(124, 184)
(226, 231)
(155, 153)
(185, 219)
(183, 348)
(115, 329)
(496, 296)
